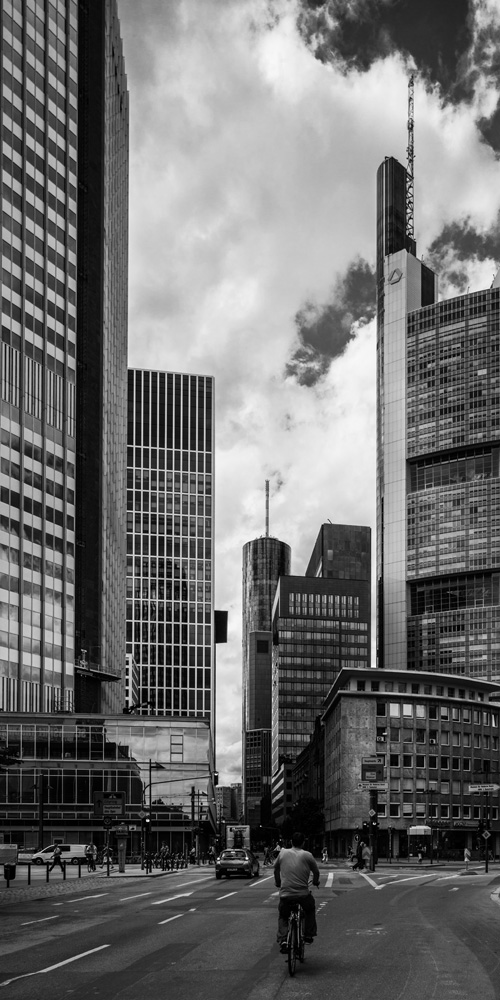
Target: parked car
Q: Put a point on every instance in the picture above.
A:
(69, 852)
(25, 855)
(237, 861)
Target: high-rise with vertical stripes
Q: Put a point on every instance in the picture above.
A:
(170, 566)
(63, 355)
(438, 531)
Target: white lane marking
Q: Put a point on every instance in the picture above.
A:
(225, 897)
(411, 878)
(167, 921)
(171, 898)
(261, 881)
(454, 888)
(193, 881)
(40, 921)
(124, 898)
(50, 968)
(370, 880)
(329, 881)
(80, 898)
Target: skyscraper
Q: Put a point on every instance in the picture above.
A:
(438, 532)
(321, 623)
(170, 613)
(63, 350)
(265, 559)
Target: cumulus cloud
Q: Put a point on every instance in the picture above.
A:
(252, 241)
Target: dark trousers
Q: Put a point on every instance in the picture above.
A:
(56, 861)
(309, 907)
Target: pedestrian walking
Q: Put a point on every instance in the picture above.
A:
(56, 858)
(324, 856)
(467, 857)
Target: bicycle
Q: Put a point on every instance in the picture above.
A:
(295, 942)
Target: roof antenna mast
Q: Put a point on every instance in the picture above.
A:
(409, 162)
(267, 508)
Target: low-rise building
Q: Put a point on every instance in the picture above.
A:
(163, 767)
(430, 738)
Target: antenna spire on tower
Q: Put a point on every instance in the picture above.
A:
(409, 162)
(267, 508)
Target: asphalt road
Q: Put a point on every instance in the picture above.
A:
(399, 934)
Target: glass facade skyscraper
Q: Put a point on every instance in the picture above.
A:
(438, 469)
(321, 623)
(53, 183)
(170, 614)
(265, 559)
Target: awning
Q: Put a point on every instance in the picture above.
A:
(419, 831)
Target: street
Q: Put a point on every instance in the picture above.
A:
(399, 933)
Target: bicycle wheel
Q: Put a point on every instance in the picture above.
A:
(301, 942)
(292, 944)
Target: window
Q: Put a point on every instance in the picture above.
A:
(445, 712)
(395, 734)
(456, 739)
(445, 739)
(467, 739)
(466, 764)
(445, 763)
(445, 788)
(433, 763)
(394, 709)
(394, 809)
(407, 735)
(420, 736)
(455, 763)
(394, 760)
(407, 760)
(445, 811)
(381, 708)
(408, 710)
(420, 760)
(433, 712)
(420, 711)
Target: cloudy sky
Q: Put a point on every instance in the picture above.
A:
(257, 127)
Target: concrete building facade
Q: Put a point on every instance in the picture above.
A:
(433, 736)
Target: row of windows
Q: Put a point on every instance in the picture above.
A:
(151, 460)
(43, 390)
(36, 535)
(35, 479)
(445, 712)
(185, 656)
(420, 809)
(326, 605)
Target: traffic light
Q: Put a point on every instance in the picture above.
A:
(216, 777)
(374, 824)
(480, 827)
(366, 829)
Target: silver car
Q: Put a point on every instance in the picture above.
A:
(237, 861)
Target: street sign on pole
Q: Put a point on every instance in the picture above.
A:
(484, 788)
(372, 786)
(109, 804)
(372, 768)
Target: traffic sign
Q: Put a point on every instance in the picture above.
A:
(484, 788)
(372, 786)
(372, 812)
(142, 814)
(486, 834)
(107, 821)
(109, 804)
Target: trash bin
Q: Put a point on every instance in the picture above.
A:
(9, 872)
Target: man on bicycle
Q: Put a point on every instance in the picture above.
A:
(292, 871)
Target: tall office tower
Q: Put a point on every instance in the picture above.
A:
(48, 190)
(101, 421)
(438, 464)
(265, 559)
(170, 567)
(321, 623)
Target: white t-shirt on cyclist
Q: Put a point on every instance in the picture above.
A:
(292, 870)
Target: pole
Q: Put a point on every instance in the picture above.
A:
(40, 810)
(149, 824)
(486, 827)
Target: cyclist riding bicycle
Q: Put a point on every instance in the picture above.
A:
(292, 870)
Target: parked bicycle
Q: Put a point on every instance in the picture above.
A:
(295, 939)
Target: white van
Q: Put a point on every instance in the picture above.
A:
(72, 853)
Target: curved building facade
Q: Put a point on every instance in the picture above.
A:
(265, 559)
